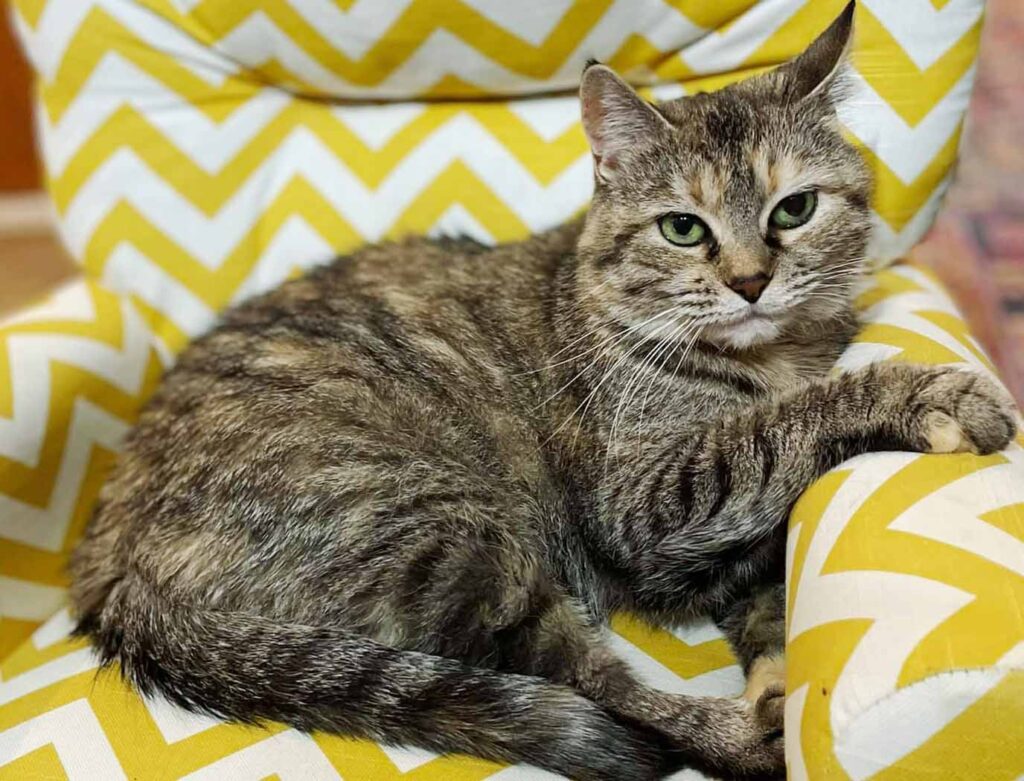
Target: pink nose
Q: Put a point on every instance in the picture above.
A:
(750, 288)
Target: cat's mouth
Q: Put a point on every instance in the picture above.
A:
(749, 314)
(750, 326)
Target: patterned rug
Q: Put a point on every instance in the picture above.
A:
(977, 246)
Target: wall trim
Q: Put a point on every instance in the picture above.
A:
(28, 213)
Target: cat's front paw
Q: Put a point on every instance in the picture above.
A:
(961, 411)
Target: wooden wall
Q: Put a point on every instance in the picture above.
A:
(19, 168)
(32, 260)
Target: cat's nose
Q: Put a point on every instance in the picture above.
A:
(750, 288)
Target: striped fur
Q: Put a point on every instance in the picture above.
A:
(399, 497)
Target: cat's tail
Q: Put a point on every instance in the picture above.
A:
(251, 669)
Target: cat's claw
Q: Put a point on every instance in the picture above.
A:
(764, 755)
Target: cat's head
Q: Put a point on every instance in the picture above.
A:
(734, 214)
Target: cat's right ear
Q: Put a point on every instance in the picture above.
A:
(615, 119)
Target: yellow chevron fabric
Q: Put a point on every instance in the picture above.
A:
(193, 158)
(905, 622)
(906, 640)
(201, 150)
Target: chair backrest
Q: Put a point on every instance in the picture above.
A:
(200, 150)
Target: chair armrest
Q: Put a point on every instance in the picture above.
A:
(905, 629)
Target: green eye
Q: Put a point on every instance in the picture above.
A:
(794, 211)
(686, 230)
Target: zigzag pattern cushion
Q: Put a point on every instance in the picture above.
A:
(194, 158)
(906, 642)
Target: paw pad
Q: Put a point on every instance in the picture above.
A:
(944, 434)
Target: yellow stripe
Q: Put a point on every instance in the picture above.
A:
(914, 347)
(815, 659)
(362, 759)
(1009, 519)
(13, 632)
(28, 657)
(806, 514)
(887, 284)
(712, 16)
(458, 184)
(43, 763)
(29, 10)
(208, 192)
(68, 384)
(101, 34)
(910, 92)
(897, 202)
(686, 661)
(957, 329)
(406, 35)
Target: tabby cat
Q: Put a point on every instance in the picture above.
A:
(398, 498)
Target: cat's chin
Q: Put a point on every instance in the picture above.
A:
(751, 332)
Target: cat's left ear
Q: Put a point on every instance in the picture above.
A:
(815, 72)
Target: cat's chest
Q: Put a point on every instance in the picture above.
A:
(787, 367)
(783, 375)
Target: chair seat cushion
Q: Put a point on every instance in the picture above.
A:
(906, 589)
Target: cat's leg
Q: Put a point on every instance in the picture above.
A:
(473, 587)
(755, 626)
(487, 601)
(725, 737)
(699, 517)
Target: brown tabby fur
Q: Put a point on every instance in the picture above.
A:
(399, 498)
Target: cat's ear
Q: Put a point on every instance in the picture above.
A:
(615, 119)
(816, 72)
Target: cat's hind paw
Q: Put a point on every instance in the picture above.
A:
(766, 672)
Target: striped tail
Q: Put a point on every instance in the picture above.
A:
(251, 669)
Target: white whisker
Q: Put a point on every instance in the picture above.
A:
(593, 393)
(619, 336)
(685, 337)
(633, 385)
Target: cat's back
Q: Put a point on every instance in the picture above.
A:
(402, 365)
(404, 341)
(431, 318)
